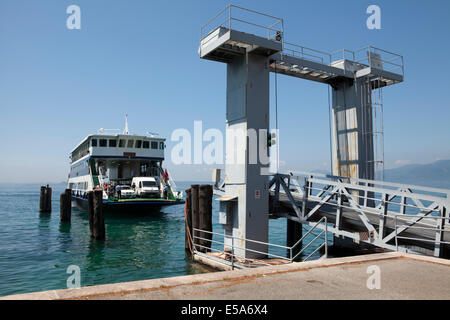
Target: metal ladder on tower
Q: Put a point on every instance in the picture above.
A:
(376, 133)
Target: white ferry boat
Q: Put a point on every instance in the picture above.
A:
(128, 168)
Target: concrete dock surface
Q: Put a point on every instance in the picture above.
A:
(400, 275)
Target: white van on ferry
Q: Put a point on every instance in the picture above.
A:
(146, 187)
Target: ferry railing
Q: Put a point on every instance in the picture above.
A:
(171, 183)
(229, 250)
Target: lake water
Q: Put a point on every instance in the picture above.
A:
(36, 249)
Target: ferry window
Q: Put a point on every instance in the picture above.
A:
(161, 145)
(112, 143)
(130, 143)
(146, 144)
(94, 142)
(154, 145)
(149, 184)
(138, 143)
(122, 143)
(102, 142)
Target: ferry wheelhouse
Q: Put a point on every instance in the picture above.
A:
(123, 166)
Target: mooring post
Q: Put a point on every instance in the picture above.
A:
(42, 200)
(195, 214)
(99, 221)
(63, 214)
(205, 215)
(293, 235)
(69, 202)
(90, 200)
(188, 221)
(45, 200)
(96, 219)
(48, 200)
(65, 206)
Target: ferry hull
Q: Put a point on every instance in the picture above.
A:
(128, 205)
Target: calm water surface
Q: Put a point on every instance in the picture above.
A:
(36, 249)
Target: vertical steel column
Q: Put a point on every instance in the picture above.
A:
(353, 151)
(247, 114)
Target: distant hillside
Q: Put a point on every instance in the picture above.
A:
(436, 174)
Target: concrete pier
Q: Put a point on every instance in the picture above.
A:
(402, 276)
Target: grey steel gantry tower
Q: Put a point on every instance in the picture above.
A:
(252, 46)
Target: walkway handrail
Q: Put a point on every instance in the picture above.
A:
(277, 27)
(325, 232)
(439, 228)
(232, 17)
(359, 181)
(289, 259)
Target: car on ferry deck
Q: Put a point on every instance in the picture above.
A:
(126, 192)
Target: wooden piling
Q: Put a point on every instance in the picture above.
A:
(63, 214)
(96, 219)
(65, 206)
(195, 213)
(90, 200)
(293, 235)
(48, 200)
(45, 199)
(42, 200)
(205, 215)
(188, 221)
(69, 202)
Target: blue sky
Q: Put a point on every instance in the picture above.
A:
(140, 57)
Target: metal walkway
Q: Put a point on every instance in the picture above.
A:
(393, 216)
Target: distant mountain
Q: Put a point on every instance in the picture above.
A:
(436, 174)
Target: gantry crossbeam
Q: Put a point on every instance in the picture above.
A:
(223, 44)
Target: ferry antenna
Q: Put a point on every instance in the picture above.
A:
(125, 131)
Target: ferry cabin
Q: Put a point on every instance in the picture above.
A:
(101, 160)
